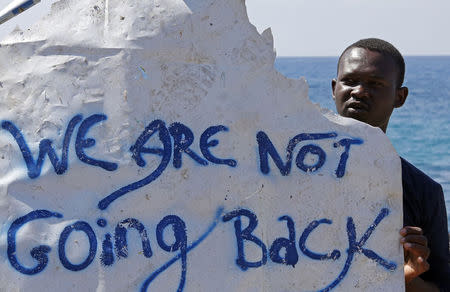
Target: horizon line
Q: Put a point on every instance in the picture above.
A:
(336, 56)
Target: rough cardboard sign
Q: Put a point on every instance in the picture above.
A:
(151, 146)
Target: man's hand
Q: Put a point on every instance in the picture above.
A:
(416, 252)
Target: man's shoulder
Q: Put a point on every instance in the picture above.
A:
(424, 206)
(415, 178)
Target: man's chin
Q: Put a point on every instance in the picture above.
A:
(365, 117)
(357, 114)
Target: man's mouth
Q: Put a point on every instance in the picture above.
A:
(358, 106)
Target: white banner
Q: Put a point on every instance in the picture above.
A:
(152, 146)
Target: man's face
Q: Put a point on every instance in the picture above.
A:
(366, 87)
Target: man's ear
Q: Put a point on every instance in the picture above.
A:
(402, 94)
(333, 86)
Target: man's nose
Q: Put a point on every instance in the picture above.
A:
(360, 90)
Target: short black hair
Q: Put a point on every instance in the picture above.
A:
(384, 48)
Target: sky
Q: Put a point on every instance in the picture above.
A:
(326, 27)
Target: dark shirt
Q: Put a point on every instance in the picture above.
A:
(424, 206)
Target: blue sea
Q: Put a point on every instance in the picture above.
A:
(420, 130)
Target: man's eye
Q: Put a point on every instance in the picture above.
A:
(376, 83)
(350, 82)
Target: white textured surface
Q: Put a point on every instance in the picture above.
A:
(200, 63)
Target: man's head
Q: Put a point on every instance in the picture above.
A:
(369, 81)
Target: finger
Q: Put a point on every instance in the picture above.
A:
(419, 239)
(423, 264)
(419, 266)
(416, 250)
(411, 230)
(414, 269)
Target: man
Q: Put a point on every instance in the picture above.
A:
(368, 87)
